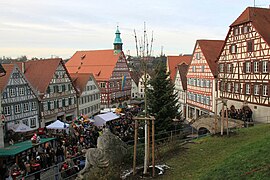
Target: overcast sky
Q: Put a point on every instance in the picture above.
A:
(42, 28)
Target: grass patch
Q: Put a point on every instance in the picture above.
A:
(244, 155)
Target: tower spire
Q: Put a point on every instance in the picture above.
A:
(117, 41)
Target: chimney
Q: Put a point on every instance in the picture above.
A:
(23, 67)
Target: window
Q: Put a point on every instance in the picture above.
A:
(229, 87)
(236, 31)
(25, 121)
(198, 56)
(102, 84)
(60, 104)
(33, 122)
(247, 67)
(221, 67)
(59, 88)
(199, 98)
(202, 82)
(246, 29)
(21, 91)
(250, 46)
(247, 89)
(256, 89)
(202, 68)
(256, 66)
(265, 90)
(208, 83)
(229, 68)
(26, 107)
(66, 101)
(193, 69)
(198, 82)
(34, 105)
(52, 105)
(264, 66)
(233, 48)
(7, 110)
(17, 108)
(45, 106)
(208, 100)
(12, 92)
(236, 88)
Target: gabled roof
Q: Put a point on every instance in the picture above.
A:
(99, 62)
(260, 19)
(211, 50)
(4, 79)
(173, 61)
(183, 70)
(135, 76)
(40, 72)
(80, 81)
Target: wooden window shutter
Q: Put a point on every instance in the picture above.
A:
(244, 67)
(251, 67)
(268, 92)
(260, 66)
(260, 90)
(252, 89)
(244, 88)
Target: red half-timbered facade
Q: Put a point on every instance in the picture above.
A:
(244, 63)
(201, 78)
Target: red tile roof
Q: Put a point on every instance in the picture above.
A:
(260, 19)
(40, 72)
(80, 80)
(173, 61)
(99, 62)
(211, 50)
(183, 70)
(4, 79)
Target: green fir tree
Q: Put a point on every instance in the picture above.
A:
(162, 101)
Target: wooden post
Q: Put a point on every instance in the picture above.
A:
(216, 116)
(227, 121)
(135, 147)
(153, 147)
(148, 145)
(222, 120)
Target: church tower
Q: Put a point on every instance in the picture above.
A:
(117, 42)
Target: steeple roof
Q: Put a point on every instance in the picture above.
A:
(117, 39)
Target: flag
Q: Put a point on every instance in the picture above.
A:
(123, 82)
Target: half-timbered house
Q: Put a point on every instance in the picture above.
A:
(178, 66)
(53, 83)
(244, 65)
(19, 100)
(201, 78)
(88, 94)
(109, 68)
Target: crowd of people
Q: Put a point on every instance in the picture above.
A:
(244, 114)
(67, 149)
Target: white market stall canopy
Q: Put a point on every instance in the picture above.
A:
(21, 128)
(107, 110)
(58, 125)
(101, 119)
